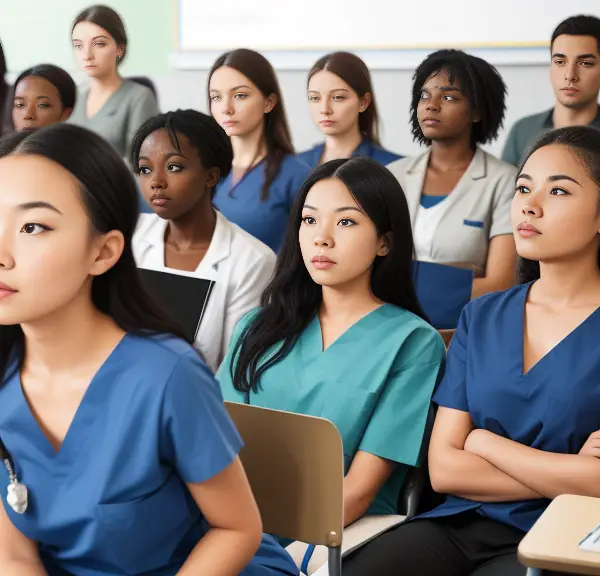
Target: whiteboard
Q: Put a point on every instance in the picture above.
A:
(397, 31)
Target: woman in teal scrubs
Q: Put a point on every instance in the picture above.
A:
(340, 333)
(519, 405)
(246, 100)
(117, 454)
(342, 105)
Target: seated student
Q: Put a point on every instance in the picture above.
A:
(340, 333)
(247, 102)
(112, 106)
(43, 95)
(342, 105)
(575, 78)
(109, 419)
(179, 157)
(519, 403)
(458, 195)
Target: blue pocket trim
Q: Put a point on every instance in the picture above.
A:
(473, 223)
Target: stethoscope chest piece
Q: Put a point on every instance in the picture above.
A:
(17, 497)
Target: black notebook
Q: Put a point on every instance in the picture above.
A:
(183, 298)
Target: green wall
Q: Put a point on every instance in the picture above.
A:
(36, 31)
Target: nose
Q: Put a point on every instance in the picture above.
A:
(325, 107)
(532, 209)
(159, 182)
(227, 109)
(6, 258)
(88, 54)
(323, 237)
(571, 72)
(433, 104)
(30, 112)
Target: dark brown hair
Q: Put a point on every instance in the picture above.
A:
(108, 19)
(354, 72)
(276, 130)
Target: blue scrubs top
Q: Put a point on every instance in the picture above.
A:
(374, 383)
(264, 219)
(553, 407)
(113, 499)
(366, 148)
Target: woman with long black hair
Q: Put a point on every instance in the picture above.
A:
(340, 333)
(116, 449)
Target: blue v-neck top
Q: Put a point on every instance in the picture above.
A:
(113, 499)
(554, 407)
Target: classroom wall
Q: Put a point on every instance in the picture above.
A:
(42, 33)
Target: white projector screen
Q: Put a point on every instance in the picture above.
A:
(388, 33)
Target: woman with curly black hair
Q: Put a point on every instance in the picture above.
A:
(459, 196)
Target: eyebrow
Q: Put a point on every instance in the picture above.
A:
(579, 56)
(167, 155)
(38, 204)
(233, 89)
(334, 90)
(342, 209)
(553, 178)
(94, 38)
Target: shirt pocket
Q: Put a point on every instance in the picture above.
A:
(142, 535)
(350, 409)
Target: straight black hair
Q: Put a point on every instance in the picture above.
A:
(110, 197)
(203, 131)
(292, 298)
(581, 25)
(352, 70)
(584, 143)
(5, 105)
(58, 77)
(277, 132)
(479, 81)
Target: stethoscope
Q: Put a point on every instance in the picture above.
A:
(16, 492)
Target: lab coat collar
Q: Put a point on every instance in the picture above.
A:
(477, 168)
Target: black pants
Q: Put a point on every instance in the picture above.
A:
(466, 544)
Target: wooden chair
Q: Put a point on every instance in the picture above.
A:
(296, 469)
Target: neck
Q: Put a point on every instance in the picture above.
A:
(249, 148)
(569, 283)
(194, 228)
(106, 84)
(564, 116)
(342, 145)
(351, 300)
(450, 154)
(59, 342)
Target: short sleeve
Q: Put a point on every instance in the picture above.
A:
(395, 430)
(503, 196)
(452, 391)
(197, 435)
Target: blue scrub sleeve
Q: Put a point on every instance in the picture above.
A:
(197, 435)
(452, 391)
(395, 430)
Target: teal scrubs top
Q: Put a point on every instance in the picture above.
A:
(113, 499)
(374, 383)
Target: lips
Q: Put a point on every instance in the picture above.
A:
(327, 122)
(430, 121)
(159, 199)
(526, 230)
(570, 90)
(6, 291)
(322, 262)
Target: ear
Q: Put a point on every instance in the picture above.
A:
(213, 177)
(476, 116)
(109, 248)
(66, 114)
(385, 245)
(270, 103)
(365, 102)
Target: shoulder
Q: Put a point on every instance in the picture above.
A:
(531, 122)
(293, 167)
(134, 91)
(402, 165)
(246, 247)
(311, 156)
(413, 338)
(498, 168)
(487, 307)
(146, 224)
(383, 156)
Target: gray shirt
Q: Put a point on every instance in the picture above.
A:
(525, 132)
(118, 120)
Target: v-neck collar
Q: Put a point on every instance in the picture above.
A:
(311, 340)
(89, 407)
(105, 106)
(547, 357)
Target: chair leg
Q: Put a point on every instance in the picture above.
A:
(335, 561)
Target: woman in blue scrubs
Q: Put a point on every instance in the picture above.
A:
(520, 401)
(246, 100)
(340, 333)
(118, 456)
(342, 105)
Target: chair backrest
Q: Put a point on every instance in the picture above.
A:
(447, 336)
(296, 469)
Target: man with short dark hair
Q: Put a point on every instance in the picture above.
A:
(575, 77)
